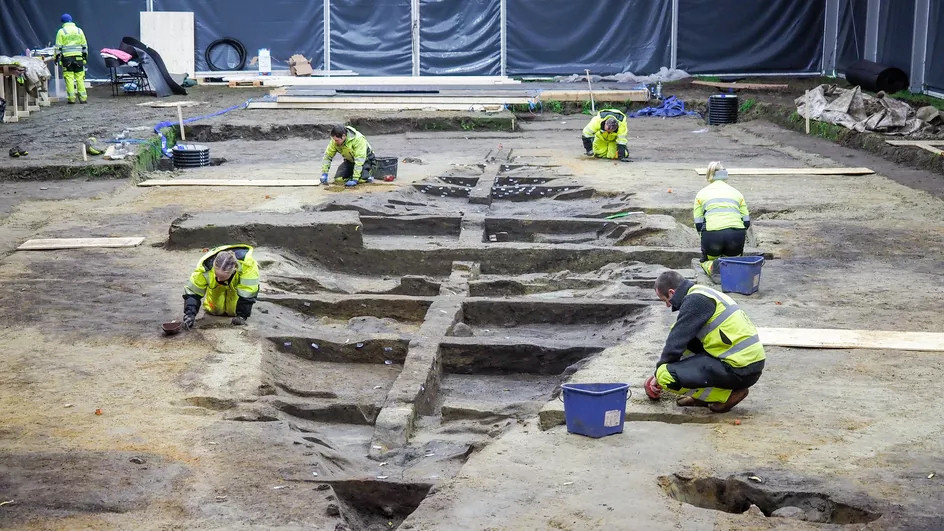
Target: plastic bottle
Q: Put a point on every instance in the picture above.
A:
(659, 90)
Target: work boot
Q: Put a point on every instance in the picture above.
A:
(71, 102)
(736, 396)
(688, 401)
(83, 102)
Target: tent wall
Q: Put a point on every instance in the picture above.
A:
(934, 62)
(604, 36)
(851, 45)
(734, 36)
(33, 24)
(285, 27)
(528, 37)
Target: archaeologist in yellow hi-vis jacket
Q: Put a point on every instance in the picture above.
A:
(72, 54)
(712, 354)
(227, 280)
(355, 150)
(605, 136)
(721, 216)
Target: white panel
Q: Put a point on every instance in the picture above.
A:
(171, 34)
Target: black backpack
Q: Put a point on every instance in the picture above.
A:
(3, 109)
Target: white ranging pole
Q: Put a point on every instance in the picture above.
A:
(593, 107)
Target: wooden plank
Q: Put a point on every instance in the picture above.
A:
(379, 80)
(160, 104)
(865, 339)
(749, 86)
(915, 142)
(78, 243)
(171, 34)
(375, 106)
(792, 171)
(230, 182)
(598, 95)
(400, 99)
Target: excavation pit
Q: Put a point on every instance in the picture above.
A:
(371, 505)
(736, 494)
(356, 351)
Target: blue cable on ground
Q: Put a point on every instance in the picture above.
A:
(157, 128)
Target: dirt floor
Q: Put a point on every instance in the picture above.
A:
(108, 424)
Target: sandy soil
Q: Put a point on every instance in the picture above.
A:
(81, 332)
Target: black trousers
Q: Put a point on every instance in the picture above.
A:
(346, 169)
(702, 370)
(724, 242)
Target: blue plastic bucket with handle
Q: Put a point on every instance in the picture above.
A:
(740, 274)
(595, 409)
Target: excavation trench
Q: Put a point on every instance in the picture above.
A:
(737, 494)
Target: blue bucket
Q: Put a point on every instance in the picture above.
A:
(740, 274)
(595, 409)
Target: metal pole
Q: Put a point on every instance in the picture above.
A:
(415, 34)
(327, 36)
(919, 44)
(871, 30)
(503, 23)
(673, 62)
(831, 37)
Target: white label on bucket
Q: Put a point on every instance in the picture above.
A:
(756, 280)
(611, 418)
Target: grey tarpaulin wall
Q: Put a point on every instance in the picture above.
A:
(895, 33)
(372, 36)
(460, 37)
(285, 27)
(528, 37)
(734, 36)
(851, 46)
(605, 36)
(934, 63)
(33, 24)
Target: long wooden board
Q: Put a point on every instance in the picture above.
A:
(915, 142)
(598, 95)
(375, 106)
(406, 100)
(793, 171)
(749, 86)
(230, 182)
(865, 339)
(78, 243)
(278, 81)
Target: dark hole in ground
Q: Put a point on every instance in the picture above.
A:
(736, 495)
(374, 505)
(361, 351)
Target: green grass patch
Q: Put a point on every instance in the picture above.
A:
(747, 105)
(708, 78)
(821, 129)
(919, 100)
(554, 106)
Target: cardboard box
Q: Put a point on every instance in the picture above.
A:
(299, 66)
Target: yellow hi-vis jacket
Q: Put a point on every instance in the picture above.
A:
(221, 299)
(353, 149)
(720, 206)
(595, 127)
(70, 41)
(729, 334)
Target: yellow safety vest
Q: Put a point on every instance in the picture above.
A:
(221, 299)
(70, 41)
(720, 206)
(354, 149)
(595, 127)
(743, 346)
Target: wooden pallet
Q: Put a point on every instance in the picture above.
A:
(253, 83)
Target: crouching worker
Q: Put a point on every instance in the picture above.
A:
(355, 150)
(227, 280)
(712, 355)
(721, 216)
(605, 136)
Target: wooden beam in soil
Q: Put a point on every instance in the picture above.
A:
(849, 339)
(78, 243)
(793, 171)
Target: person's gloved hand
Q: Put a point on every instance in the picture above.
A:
(188, 320)
(238, 321)
(352, 182)
(324, 178)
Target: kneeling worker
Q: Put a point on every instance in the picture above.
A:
(227, 280)
(722, 218)
(713, 353)
(358, 157)
(605, 136)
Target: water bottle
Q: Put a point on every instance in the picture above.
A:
(659, 90)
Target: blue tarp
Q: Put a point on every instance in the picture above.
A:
(372, 37)
(851, 45)
(896, 33)
(459, 38)
(934, 63)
